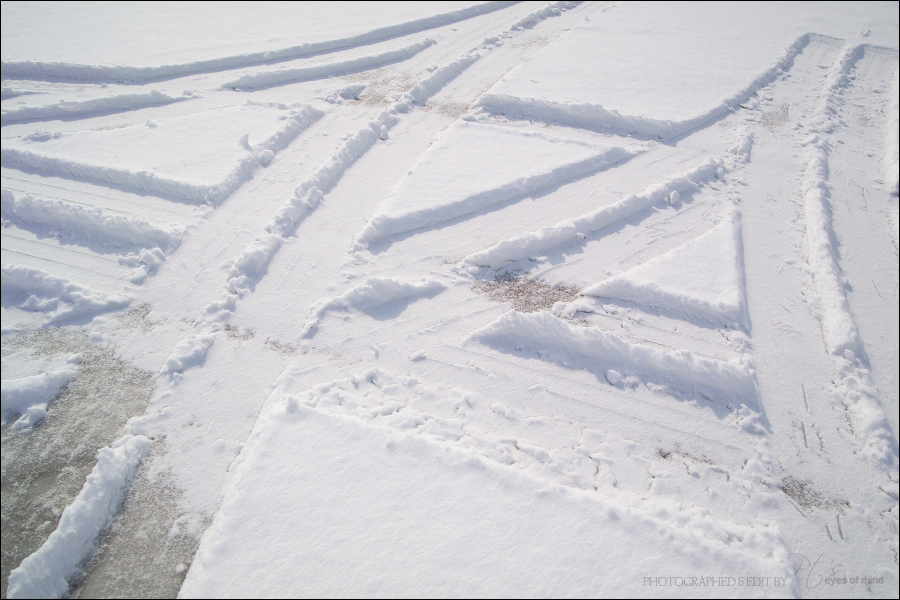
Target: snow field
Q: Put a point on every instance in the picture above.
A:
(314, 329)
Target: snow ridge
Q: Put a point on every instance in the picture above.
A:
(46, 292)
(65, 109)
(595, 117)
(854, 386)
(89, 222)
(721, 300)
(46, 572)
(99, 73)
(517, 248)
(362, 63)
(145, 181)
(310, 193)
(545, 333)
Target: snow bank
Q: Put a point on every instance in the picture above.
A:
(36, 69)
(29, 396)
(66, 109)
(703, 278)
(375, 291)
(459, 174)
(188, 352)
(548, 88)
(550, 336)
(47, 572)
(180, 185)
(332, 69)
(59, 297)
(534, 242)
(90, 222)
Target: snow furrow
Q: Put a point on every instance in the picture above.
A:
(854, 386)
(550, 335)
(310, 193)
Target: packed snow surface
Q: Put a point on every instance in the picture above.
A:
(539, 298)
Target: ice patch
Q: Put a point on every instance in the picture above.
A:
(65, 109)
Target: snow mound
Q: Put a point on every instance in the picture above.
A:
(60, 298)
(460, 174)
(585, 347)
(703, 278)
(46, 573)
(188, 352)
(87, 221)
(29, 396)
(373, 292)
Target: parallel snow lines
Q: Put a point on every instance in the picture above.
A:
(214, 193)
(445, 184)
(99, 73)
(66, 110)
(569, 230)
(268, 79)
(596, 118)
(854, 387)
(310, 193)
